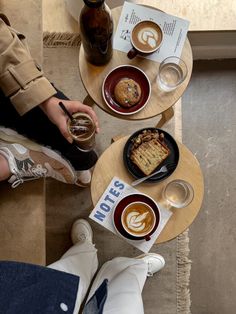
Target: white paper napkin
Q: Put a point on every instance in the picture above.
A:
(103, 212)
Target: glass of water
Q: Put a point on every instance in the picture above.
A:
(172, 72)
(178, 193)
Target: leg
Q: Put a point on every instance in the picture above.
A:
(80, 259)
(23, 164)
(4, 169)
(36, 126)
(166, 116)
(126, 278)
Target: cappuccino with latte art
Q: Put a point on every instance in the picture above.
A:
(146, 37)
(138, 219)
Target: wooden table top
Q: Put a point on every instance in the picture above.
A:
(111, 164)
(92, 77)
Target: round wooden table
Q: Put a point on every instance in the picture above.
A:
(160, 102)
(111, 164)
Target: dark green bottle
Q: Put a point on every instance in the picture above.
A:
(96, 28)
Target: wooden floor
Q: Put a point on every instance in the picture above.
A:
(204, 15)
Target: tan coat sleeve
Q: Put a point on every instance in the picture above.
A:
(21, 78)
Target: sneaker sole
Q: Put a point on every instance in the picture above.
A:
(57, 157)
(154, 255)
(82, 185)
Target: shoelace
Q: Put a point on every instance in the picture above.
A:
(33, 173)
(82, 237)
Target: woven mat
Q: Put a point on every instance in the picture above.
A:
(165, 293)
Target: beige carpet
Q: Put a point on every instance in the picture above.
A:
(165, 293)
(22, 210)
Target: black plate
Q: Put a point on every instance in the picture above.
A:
(173, 157)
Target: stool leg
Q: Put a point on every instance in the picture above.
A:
(88, 101)
(166, 116)
(116, 138)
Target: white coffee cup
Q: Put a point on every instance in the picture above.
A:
(146, 38)
(138, 219)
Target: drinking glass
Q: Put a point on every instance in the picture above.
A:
(82, 130)
(178, 193)
(172, 72)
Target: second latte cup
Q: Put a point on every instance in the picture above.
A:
(139, 220)
(146, 37)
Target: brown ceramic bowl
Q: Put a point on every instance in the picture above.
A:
(131, 72)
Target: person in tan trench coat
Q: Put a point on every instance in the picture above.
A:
(29, 106)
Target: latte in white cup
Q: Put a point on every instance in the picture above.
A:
(146, 38)
(138, 219)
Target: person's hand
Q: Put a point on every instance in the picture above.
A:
(57, 116)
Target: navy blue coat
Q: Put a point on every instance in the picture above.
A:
(32, 289)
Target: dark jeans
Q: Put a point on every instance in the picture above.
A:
(36, 126)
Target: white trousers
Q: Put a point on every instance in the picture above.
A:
(126, 278)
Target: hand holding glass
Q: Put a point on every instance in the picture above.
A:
(82, 129)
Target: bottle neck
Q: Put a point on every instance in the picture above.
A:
(94, 3)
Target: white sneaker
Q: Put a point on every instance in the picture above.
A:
(155, 262)
(27, 164)
(83, 178)
(81, 231)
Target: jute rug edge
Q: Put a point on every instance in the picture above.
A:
(61, 39)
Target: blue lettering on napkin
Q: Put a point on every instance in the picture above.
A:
(109, 200)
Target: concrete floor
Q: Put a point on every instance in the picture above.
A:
(209, 130)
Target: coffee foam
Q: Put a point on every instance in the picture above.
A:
(138, 219)
(147, 36)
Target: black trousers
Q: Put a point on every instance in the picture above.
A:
(36, 126)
